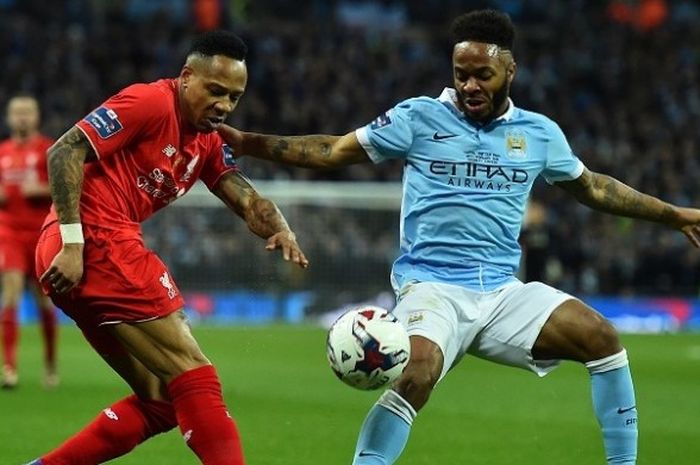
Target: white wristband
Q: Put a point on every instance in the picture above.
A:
(72, 233)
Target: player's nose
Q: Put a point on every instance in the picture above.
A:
(471, 85)
(224, 107)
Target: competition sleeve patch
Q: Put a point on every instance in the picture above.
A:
(105, 121)
(381, 121)
(229, 159)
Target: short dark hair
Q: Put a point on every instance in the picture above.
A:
(220, 43)
(487, 26)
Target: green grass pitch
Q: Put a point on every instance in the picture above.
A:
(291, 409)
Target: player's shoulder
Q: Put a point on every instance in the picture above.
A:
(158, 93)
(213, 142)
(419, 103)
(535, 121)
(420, 110)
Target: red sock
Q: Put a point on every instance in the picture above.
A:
(49, 328)
(205, 423)
(115, 431)
(10, 336)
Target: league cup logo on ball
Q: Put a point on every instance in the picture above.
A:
(368, 348)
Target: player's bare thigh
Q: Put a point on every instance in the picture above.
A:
(165, 346)
(143, 383)
(43, 301)
(12, 286)
(575, 331)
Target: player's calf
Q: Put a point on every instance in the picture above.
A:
(115, 431)
(422, 372)
(205, 423)
(615, 407)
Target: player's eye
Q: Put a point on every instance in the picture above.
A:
(485, 75)
(218, 91)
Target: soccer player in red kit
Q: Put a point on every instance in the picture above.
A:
(136, 153)
(24, 203)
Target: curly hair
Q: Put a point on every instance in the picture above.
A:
(220, 43)
(487, 26)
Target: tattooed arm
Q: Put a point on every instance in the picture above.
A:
(607, 194)
(262, 216)
(66, 159)
(314, 151)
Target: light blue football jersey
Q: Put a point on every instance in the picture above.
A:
(465, 186)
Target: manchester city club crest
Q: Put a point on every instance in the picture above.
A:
(516, 144)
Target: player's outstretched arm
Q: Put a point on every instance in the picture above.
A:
(262, 216)
(607, 194)
(65, 166)
(313, 151)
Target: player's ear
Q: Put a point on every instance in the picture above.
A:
(185, 75)
(510, 71)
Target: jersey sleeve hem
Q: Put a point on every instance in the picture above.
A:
(87, 136)
(363, 138)
(575, 174)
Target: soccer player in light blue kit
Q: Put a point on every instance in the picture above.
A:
(471, 157)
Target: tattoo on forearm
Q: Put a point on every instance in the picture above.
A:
(65, 165)
(618, 198)
(279, 148)
(306, 151)
(262, 215)
(265, 219)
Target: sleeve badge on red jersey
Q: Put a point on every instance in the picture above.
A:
(105, 121)
(229, 159)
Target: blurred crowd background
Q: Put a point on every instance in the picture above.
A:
(620, 77)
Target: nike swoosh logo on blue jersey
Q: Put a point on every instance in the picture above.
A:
(437, 136)
(465, 187)
(623, 410)
(364, 454)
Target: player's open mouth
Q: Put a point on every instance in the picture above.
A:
(474, 105)
(214, 122)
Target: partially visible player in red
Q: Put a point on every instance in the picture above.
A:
(135, 154)
(24, 203)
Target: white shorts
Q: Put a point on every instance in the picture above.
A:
(501, 325)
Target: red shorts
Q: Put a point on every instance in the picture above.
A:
(17, 250)
(122, 280)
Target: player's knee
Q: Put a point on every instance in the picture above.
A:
(150, 388)
(12, 287)
(180, 364)
(416, 384)
(10, 297)
(602, 341)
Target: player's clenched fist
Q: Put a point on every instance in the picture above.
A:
(66, 269)
(287, 241)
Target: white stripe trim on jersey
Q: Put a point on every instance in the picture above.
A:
(575, 174)
(481, 277)
(449, 95)
(94, 149)
(363, 139)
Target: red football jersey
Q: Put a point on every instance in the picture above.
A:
(148, 156)
(22, 163)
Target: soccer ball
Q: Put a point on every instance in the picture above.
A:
(368, 348)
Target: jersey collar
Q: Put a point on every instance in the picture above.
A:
(449, 96)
